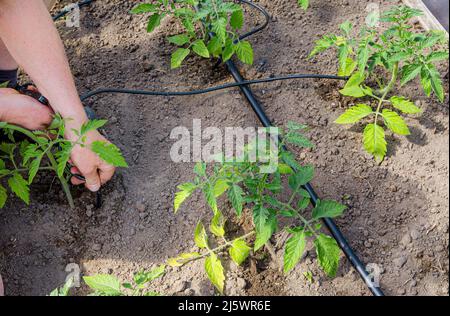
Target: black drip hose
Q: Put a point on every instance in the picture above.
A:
(329, 223)
(245, 89)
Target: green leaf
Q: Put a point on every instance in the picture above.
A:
(3, 196)
(298, 140)
(219, 27)
(328, 209)
(303, 175)
(304, 4)
(328, 253)
(34, 168)
(395, 122)
(404, 105)
(235, 195)
(91, 126)
(436, 84)
(352, 87)
(228, 52)
(109, 153)
(153, 22)
(215, 272)
(217, 226)
(142, 278)
(374, 141)
(210, 197)
(179, 40)
(244, 52)
(200, 169)
(179, 56)
(289, 159)
(295, 246)
(104, 283)
(237, 19)
(62, 157)
(265, 225)
(323, 44)
(239, 251)
(354, 114)
(346, 27)
(220, 187)
(409, 72)
(20, 187)
(144, 8)
(284, 169)
(185, 191)
(200, 236)
(436, 56)
(182, 259)
(199, 47)
(4, 84)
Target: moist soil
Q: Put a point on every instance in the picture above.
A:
(397, 217)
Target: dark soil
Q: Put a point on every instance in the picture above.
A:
(398, 211)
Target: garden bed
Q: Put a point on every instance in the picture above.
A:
(398, 211)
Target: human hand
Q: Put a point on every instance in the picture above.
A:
(89, 165)
(22, 110)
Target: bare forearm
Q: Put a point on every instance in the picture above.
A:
(28, 32)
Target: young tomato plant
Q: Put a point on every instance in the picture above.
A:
(20, 161)
(246, 187)
(109, 285)
(210, 28)
(398, 54)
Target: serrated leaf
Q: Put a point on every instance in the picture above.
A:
(104, 283)
(210, 197)
(353, 91)
(235, 195)
(239, 251)
(217, 226)
(228, 52)
(182, 259)
(34, 168)
(284, 169)
(302, 176)
(91, 126)
(289, 159)
(404, 105)
(244, 52)
(178, 57)
(185, 191)
(409, 72)
(109, 153)
(153, 22)
(395, 122)
(237, 19)
(328, 253)
(295, 247)
(199, 47)
(20, 187)
(328, 209)
(144, 8)
(298, 140)
(322, 44)
(436, 56)
(354, 114)
(179, 40)
(220, 187)
(200, 236)
(265, 225)
(215, 272)
(219, 27)
(62, 157)
(374, 141)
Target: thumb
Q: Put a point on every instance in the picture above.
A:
(92, 180)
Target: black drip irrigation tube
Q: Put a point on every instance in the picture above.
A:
(265, 121)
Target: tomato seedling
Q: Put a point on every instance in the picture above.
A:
(376, 62)
(210, 28)
(246, 187)
(21, 160)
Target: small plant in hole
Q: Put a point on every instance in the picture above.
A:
(376, 63)
(109, 285)
(21, 160)
(304, 4)
(210, 28)
(246, 187)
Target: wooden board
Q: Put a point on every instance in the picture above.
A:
(428, 20)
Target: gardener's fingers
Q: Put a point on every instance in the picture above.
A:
(106, 172)
(92, 177)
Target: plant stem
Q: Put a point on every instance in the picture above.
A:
(51, 158)
(388, 88)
